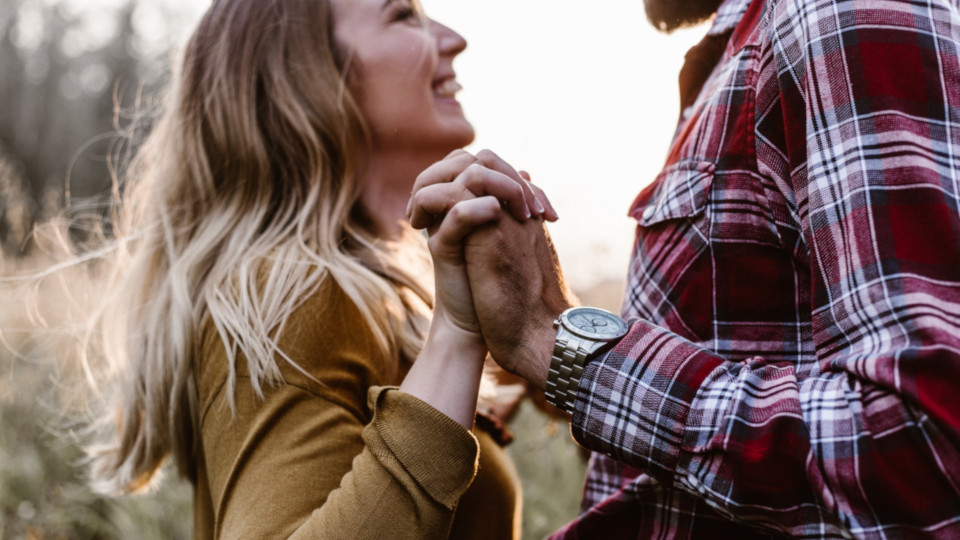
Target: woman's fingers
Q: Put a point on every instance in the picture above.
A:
(446, 242)
(441, 172)
(432, 202)
(482, 181)
(495, 162)
(550, 213)
(457, 165)
(485, 174)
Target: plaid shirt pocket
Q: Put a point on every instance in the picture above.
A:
(681, 191)
(670, 269)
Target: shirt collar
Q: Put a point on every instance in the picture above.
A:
(728, 16)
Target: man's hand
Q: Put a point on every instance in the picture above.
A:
(518, 291)
(450, 199)
(515, 279)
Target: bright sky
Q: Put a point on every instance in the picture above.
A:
(582, 95)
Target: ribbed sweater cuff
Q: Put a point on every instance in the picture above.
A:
(436, 451)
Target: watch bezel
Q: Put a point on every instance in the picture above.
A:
(565, 320)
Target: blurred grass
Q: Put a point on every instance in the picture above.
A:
(43, 492)
(551, 468)
(42, 489)
(44, 495)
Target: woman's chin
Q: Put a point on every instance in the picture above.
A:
(463, 135)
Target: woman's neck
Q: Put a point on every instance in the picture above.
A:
(388, 181)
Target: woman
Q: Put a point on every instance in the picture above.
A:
(268, 288)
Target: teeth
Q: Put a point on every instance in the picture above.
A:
(447, 88)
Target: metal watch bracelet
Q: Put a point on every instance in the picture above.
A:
(563, 378)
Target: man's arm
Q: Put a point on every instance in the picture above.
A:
(871, 444)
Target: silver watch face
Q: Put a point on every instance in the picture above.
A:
(594, 323)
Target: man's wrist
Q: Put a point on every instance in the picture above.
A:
(536, 354)
(582, 334)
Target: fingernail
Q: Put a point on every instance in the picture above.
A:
(540, 209)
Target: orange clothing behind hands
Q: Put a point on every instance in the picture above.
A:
(341, 458)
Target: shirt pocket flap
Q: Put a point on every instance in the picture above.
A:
(680, 191)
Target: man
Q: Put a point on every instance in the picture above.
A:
(792, 358)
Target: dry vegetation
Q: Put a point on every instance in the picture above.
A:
(43, 493)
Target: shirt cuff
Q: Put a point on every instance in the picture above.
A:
(437, 452)
(633, 401)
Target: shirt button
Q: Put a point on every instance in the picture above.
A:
(648, 213)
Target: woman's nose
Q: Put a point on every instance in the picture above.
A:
(448, 41)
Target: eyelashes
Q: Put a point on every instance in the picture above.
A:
(406, 12)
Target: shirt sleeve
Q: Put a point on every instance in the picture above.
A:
(870, 92)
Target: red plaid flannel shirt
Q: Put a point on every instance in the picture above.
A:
(796, 273)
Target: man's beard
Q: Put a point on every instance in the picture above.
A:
(668, 15)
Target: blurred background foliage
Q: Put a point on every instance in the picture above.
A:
(73, 75)
(66, 68)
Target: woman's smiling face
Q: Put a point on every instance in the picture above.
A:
(401, 74)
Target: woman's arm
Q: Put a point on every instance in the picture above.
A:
(321, 456)
(304, 461)
(453, 198)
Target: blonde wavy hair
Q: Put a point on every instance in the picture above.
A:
(240, 202)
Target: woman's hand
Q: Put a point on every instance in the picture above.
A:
(461, 176)
(451, 199)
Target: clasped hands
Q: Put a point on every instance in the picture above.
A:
(497, 275)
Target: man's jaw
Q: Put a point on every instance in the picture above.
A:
(668, 15)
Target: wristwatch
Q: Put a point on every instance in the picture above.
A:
(581, 333)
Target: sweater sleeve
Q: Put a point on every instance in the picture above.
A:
(414, 465)
(406, 482)
(330, 455)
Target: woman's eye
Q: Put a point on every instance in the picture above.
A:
(406, 14)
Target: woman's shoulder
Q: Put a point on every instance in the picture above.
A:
(328, 333)
(326, 346)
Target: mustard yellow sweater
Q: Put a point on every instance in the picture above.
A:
(342, 456)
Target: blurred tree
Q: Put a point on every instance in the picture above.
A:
(62, 62)
(66, 68)
(43, 490)
(17, 207)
